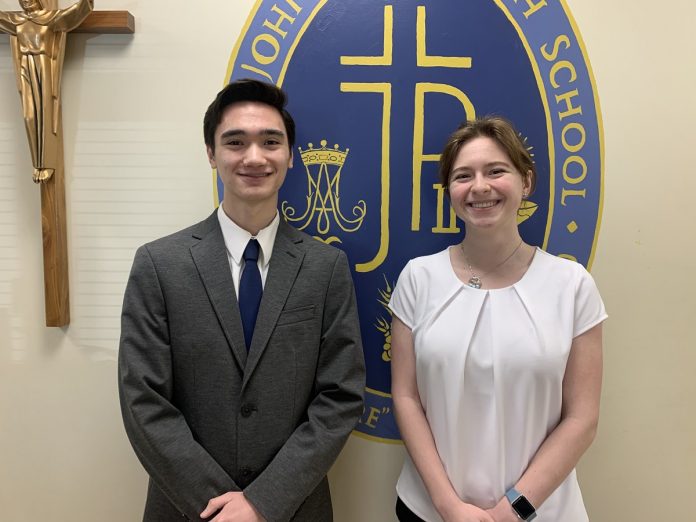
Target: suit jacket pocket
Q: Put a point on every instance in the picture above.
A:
(296, 315)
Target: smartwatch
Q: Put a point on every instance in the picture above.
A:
(520, 505)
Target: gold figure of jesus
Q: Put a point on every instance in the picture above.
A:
(37, 38)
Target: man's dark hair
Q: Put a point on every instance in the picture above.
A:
(246, 90)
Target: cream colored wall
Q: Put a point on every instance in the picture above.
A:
(643, 463)
(137, 170)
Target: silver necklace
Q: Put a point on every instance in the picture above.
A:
(475, 280)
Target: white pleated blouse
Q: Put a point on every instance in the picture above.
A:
(489, 370)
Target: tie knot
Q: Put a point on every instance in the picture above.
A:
(251, 252)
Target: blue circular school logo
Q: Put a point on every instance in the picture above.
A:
(376, 88)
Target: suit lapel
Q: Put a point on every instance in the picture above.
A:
(210, 257)
(285, 263)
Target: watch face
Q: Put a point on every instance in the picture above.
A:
(523, 507)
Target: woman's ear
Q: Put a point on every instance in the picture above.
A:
(527, 183)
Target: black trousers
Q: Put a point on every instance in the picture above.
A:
(404, 514)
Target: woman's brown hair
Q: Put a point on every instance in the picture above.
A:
(502, 132)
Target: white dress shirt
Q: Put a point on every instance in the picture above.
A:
(236, 239)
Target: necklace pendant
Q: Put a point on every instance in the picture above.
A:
(474, 282)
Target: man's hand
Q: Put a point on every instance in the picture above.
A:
(232, 507)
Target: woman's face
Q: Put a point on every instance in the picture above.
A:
(31, 5)
(485, 188)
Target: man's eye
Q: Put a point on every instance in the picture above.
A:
(497, 172)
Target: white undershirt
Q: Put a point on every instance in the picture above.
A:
(236, 239)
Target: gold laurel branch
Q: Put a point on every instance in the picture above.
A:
(383, 325)
(385, 294)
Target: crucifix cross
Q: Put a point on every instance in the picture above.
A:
(37, 37)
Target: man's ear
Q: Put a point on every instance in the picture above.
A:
(291, 158)
(211, 156)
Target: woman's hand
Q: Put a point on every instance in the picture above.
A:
(463, 512)
(503, 512)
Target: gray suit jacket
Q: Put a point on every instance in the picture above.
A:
(205, 417)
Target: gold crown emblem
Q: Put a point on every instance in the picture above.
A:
(323, 155)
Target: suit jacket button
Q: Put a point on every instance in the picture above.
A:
(247, 410)
(245, 471)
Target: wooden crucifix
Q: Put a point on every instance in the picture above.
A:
(37, 37)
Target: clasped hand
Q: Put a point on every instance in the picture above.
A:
(463, 512)
(232, 507)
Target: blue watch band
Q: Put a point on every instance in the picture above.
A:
(520, 505)
(512, 494)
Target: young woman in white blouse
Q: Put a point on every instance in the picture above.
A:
(496, 354)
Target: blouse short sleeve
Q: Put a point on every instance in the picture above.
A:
(403, 299)
(589, 308)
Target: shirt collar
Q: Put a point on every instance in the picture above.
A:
(236, 238)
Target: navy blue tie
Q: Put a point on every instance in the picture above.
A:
(250, 290)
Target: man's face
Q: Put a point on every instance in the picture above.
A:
(251, 154)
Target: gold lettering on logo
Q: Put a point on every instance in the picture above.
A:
(282, 17)
(533, 7)
(385, 90)
(570, 193)
(262, 58)
(577, 160)
(257, 71)
(570, 109)
(566, 97)
(419, 157)
(440, 228)
(564, 137)
(551, 56)
(559, 66)
(272, 47)
(573, 135)
(372, 415)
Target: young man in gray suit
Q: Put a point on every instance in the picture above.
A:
(241, 371)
